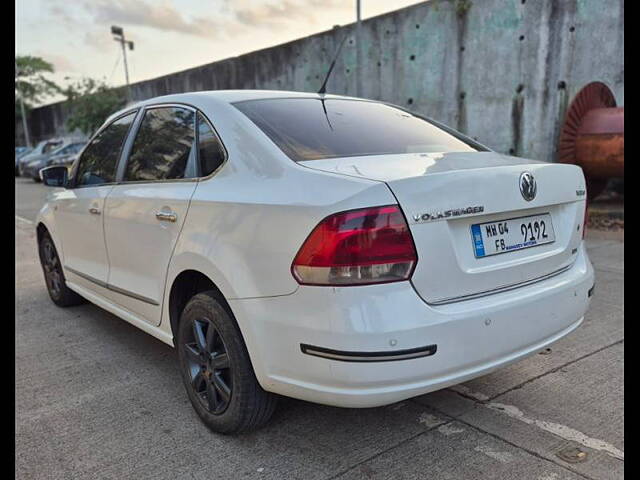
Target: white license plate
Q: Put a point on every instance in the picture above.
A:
(513, 234)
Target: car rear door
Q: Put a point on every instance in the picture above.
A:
(78, 210)
(145, 211)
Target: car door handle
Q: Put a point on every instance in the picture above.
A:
(94, 210)
(166, 216)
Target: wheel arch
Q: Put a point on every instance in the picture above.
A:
(41, 231)
(43, 228)
(190, 282)
(184, 286)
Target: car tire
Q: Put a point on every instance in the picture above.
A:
(36, 179)
(60, 294)
(216, 368)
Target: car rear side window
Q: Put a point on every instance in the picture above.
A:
(97, 165)
(210, 150)
(314, 128)
(163, 145)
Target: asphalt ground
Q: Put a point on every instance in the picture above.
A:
(97, 398)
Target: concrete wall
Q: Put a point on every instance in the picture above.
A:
(501, 71)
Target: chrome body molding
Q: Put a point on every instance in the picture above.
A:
(493, 291)
(111, 287)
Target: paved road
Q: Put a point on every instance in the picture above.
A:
(29, 197)
(97, 398)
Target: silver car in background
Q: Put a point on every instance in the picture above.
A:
(20, 153)
(67, 147)
(66, 155)
(44, 147)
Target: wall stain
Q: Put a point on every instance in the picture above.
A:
(517, 116)
(462, 10)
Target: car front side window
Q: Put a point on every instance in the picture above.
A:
(97, 165)
(163, 146)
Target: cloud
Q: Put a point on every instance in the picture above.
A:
(98, 39)
(231, 17)
(277, 13)
(62, 14)
(145, 14)
(61, 64)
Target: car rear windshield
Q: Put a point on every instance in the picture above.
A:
(313, 128)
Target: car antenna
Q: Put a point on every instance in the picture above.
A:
(323, 88)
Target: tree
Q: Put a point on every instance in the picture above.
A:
(32, 82)
(91, 102)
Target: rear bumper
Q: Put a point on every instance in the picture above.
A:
(471, 338)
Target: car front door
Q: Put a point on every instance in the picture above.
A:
(145, 211)
(78, 210)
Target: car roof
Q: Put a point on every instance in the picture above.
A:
(231, 96)
(224, 96)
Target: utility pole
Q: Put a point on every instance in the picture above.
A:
(23, 114)
(359, 51)
(118, 33)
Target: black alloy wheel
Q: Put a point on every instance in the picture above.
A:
(208, 366)
(216, 369)
(53, 275)
(61, 295)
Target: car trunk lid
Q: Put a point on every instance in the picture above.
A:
(444, 195)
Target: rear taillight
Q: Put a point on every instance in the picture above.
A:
(371, 245)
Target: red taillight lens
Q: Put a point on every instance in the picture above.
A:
(371, 245)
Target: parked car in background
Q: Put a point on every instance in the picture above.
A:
(332, 249)
(66, 154)
(68, 161)
(20, 153)
(33, 167)
(44, 147)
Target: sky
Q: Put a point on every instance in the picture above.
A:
(169, 35)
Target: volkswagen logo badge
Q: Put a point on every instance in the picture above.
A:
(528, 187)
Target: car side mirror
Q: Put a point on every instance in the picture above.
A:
(55, 176)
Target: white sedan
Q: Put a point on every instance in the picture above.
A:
(332, 249)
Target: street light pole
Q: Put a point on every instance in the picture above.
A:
(25, 127)
(124, 57)
(118, 33)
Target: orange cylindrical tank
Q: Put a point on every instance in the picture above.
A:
(592, 136)
(600, 143)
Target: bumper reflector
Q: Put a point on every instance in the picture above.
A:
(346, 356)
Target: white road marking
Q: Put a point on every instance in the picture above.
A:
(561, 431)
(24, 220)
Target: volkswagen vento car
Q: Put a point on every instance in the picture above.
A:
(331, 249)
